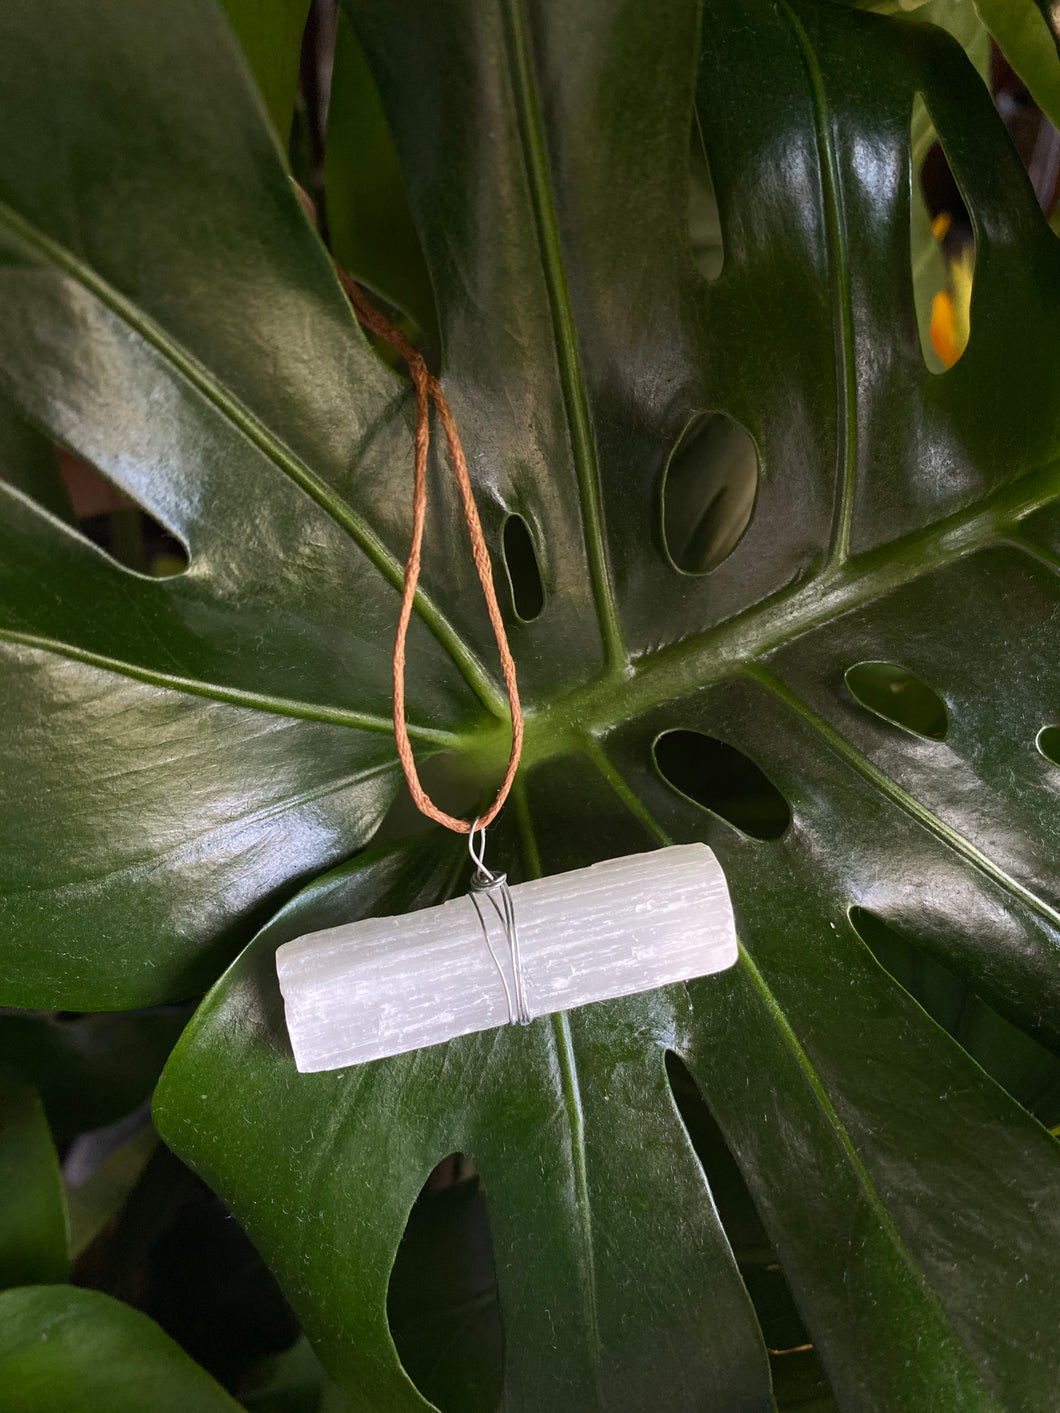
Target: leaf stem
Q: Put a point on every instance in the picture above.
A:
(698, 661)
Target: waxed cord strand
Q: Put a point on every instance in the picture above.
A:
(428, 391)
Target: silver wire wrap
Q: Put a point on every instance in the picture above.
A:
(494, 886)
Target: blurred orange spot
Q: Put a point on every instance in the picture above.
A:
(951, 311)
(944, 329)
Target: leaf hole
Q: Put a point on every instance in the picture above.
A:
(524, 573)
(1048, 743)
(900, 697)
(794, 1360)
(1015, 1060)
(704, 217)
(722, 779)
(942, 247)
(442, 1303)
(116, 524)
(708, 492)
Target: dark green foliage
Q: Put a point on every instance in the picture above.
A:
(183, 756)
(63, 1348)
(33, 1243)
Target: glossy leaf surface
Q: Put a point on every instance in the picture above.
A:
(602, 1231)
(61, 1347)
(198, 351)
(196, 392)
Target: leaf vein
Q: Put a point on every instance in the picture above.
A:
(846, 366)
(230, 696)
(572, 380)
(861, 1174)
(270, 445)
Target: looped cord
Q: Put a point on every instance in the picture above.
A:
(428, 390)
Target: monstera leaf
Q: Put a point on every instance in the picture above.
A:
(728, 496)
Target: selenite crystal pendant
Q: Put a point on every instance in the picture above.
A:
(386, 985)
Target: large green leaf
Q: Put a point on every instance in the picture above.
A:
(64, 1348)
(171, 319)
(182, 753)
(610, 1260)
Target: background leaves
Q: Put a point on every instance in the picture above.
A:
(33, 1240)
(54, 1339)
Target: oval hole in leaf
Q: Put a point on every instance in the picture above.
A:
(442, 1301)
(900, 697)
(524, 574)
(704, 218)
(722, 779)
(1029, 1072)
(708, 492)
(1048, 742)
(942, 248)
(116, 524)
(792, 1357)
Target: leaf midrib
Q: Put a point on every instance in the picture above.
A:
(946, 540)
(253, 701)
(674, 671)
(187, 367)
(835, 229)
(563, 1043)
(571, 377)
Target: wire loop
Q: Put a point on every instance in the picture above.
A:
(494, 888)
(478, 855)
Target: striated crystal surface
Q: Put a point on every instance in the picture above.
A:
(386, 985)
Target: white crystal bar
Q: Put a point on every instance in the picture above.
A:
(386, 985)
